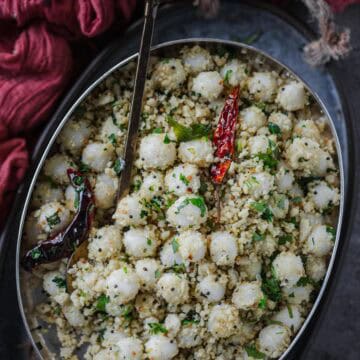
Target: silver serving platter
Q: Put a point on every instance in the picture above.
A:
(29, 291)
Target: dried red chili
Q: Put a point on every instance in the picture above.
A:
(224, 137)
(65, 242)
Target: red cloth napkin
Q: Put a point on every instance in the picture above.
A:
(36, 63)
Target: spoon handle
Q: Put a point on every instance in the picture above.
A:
(136, 103)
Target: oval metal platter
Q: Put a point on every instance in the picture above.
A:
(29, 291)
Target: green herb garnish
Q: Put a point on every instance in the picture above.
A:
(184, 133)
(297, 200)
(175, 245)
(83, 168)
(101, 302)
(264, 209)
(274, 129)
(254, 353)
(137, 185)
(303, 281)
(196, 201)
(178, 268)
(35, 254)
(227, 76)
(167, 139)
(192, 317)
(284, 239)
(101, 335)
(157, 131)
(262, 303)
(330, 230)
(53, 220)
(290, 311)
(271, 286)
(119, 166)
(157, 273)
(127, 312)
(270, 158)
(60, 282)
(257, 237)
(112, 138)
(143, 213)
(250, 183)
(156, 328)
(305, 181)
(183, 178)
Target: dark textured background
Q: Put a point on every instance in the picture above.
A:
(337, 333)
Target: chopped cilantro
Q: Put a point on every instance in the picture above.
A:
(125, 269)
(192, 317)
(290, 311)
(274, 129)
(149, 241)
(78, 180)
(184, 133)
(281, 203)
(59, 281)
(284, 239)
(178, 268)
(257, 237)
(303, 281)
(53, 220)
(271, 286)
(157, 131)
(156, 328)
(262, 303)
(157, 273)
(292, 220)
(175, 245)
(264, 209)
(330, 230)
(143, 213)
(112, 138)
(127, 312)
(238, 145)
(35, 254)
(196, 201)
(137, 185)
(270, 158)
(119, 166)
(183, 178)
(101, 335)
(305, 181)
(254, 353)
(101, 302)
(262, 106)
(227, 76)
(57, 310)
(83, 168)
(250, 183)
(297, 200)
(167, 139)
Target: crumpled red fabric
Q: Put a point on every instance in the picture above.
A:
(36, 64)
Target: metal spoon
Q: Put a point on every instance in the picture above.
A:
(151, 7)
